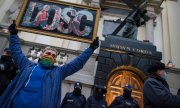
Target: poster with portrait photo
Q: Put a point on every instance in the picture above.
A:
(59, 19)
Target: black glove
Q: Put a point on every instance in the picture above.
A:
(12, 29)
(95, 44)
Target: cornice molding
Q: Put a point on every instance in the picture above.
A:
(39, 45)
(174, 70)
(171, 0)
(118, 4)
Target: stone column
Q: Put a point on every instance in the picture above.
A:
(166, 33)
(150, 27)
(158, 33)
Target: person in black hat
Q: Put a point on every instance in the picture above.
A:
(74, 99)
(7, 69)
(97, 100)
(156, 93)
(125, 100)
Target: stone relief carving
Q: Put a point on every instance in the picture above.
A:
(12, 12)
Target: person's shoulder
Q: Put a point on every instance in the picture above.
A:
(82, 97)
(119, 98)
(134, 101)
(90, 97)
(150, 80)
(68, 94)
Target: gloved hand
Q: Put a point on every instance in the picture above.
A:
(12, 29)
(95, 44)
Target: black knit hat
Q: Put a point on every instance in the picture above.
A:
(155, 66)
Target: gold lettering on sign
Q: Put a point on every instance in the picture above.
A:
(127, 48)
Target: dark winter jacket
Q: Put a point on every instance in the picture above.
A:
(7, 71)
(51, 91)
(157, 95)
(121, 102)
(72, 100)
(92, 102)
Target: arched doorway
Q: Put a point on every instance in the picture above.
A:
(125, 75)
